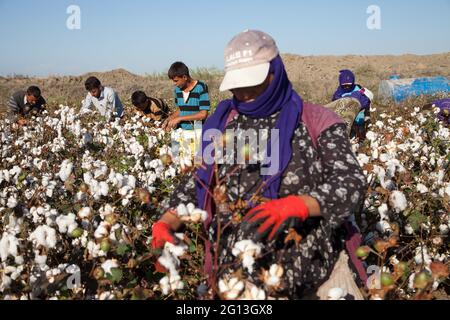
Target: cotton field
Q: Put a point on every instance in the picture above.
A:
(78, 198)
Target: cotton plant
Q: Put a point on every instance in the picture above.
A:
(170, 259)
(190, 214)
(404, 159)
(247, 251)
(57, 194)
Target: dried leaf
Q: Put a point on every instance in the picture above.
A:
(293, 236)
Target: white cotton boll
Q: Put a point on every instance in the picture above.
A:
(421, 188)
(398, 201)
(246, 246)
(19, 260)
(8, 246)
(384, 157)
(443, 229)
(164, 284)
(199, 215)
(107, 210)
(231, 289)
(379, 124)
(106, 296)
(66, 170)
(12, 202)
(177, 251)
(409, 229)
(375, 154)
(363, 159)
(44, 236)
(272, 278)
(190, 208)
(252, 293)
(5, 282)
(371, 136)
(85, 213)
(103, 189)
(182, 210)
(422, 256)
(124, 191)
(80, 196)
(383, 210)
(110, 264)
(87, 177)
(40, 260)
(447, 191)
(170, 173)
(66, 224)
(247, 262)
(102, 230)
(337, 294)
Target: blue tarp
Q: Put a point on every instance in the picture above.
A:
(401, 89)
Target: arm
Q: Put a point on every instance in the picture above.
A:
(175, 115)
(362, 98)
(87, 104)
(337, 95)
(13, 109)
(184, 193)
(116, 105)
(202, 115)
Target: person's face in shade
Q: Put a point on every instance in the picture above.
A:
(250, 94)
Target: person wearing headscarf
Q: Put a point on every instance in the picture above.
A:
(308, 181)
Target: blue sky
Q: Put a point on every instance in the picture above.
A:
(147, 36)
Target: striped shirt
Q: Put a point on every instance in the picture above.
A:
(18, 105)
(198, 100)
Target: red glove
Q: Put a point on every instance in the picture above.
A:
(276, 213)
(162, 233)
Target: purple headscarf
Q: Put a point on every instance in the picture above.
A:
(279, 96)
(444, 105)
(346, 76)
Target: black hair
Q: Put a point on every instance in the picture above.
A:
(92, 83)
(139, 98)
(34, 91)
(178, 69)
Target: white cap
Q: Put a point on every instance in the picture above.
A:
(247, 60)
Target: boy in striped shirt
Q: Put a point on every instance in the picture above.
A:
(191, 99)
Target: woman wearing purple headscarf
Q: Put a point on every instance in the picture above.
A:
(348, 88)
(309, 180)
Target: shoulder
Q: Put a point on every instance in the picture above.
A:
(19, 95)
(108, 91)
(319, 116)
(318, 119)
(41, 101)
(202, 86)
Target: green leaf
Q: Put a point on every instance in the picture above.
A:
(115, 276)
(192, 248)
(416, 219)
(22, 177)
(122, 249)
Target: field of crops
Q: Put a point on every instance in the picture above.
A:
(79, 196)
